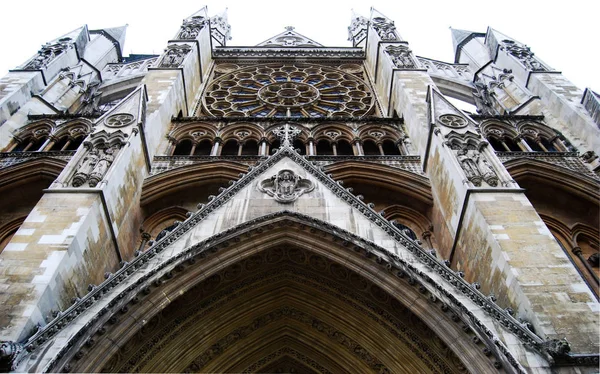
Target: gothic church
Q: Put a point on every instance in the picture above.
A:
(294, 207)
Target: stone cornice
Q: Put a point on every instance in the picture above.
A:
(283, 53)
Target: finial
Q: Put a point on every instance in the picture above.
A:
(286, 134)
(289, 28)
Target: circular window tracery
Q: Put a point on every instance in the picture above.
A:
(288, 90)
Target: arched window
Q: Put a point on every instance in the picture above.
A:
(250, 148)
(344, 148)
(59, 145)
(533, 144)
(370, 148)
(549, 146)
(230, 148)
(74, 144)
(496, 144)
(300, 146)
(183, 148)
(406, 230)
(389, 148)
(512, 146)
(203, 148)
(324, 148)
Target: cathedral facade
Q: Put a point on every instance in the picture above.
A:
(293, 207)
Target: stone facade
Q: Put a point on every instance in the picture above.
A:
(296, 207)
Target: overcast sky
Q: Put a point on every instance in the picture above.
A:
(562, 34)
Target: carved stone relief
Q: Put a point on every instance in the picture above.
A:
(119, 120)
(174, 56)
(452, 121)
(357, 28)
(385, 29)
(286, 187)
(475, 165)
(523, 54)
(47, 53)
(401, 56)
(191, 28)
(94, 166)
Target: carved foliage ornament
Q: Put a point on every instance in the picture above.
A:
(401, 56)
(174, 55)
(453, 121)
(286, 187)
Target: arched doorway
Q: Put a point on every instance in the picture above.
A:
(276, 295)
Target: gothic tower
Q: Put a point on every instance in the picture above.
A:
(293, 207)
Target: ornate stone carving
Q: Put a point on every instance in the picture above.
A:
(286, 187)
(453, 121)
(119, 120)
(93, 166)
(357, 28)
(476, 167)
(557, 348)
(401, 56)
(385, 29)
(191, 28)
(483, 98)
(332, 134)
(523, 54)
(47, 53)
(174, 56)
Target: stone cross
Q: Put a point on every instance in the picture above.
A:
(286, 134)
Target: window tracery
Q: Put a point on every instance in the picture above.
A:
(524, 137)
(46, 137)
(249, 139)
(288, 90)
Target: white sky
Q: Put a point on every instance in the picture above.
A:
(562, 34)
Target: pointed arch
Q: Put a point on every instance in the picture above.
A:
(279, 279)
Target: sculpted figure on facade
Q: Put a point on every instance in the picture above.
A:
(105, 159)
(523, 54)
(286, 186)
(175, 55)
(401, 57)
(85, 168)
(475, 166)
(93, 166)
(191, 28)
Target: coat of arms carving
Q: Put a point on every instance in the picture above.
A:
(286, 187)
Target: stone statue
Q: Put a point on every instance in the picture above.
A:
(468, 163)
(101, 166)
(286, 186)
(85, 168)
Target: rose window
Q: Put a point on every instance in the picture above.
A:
(288, 90)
